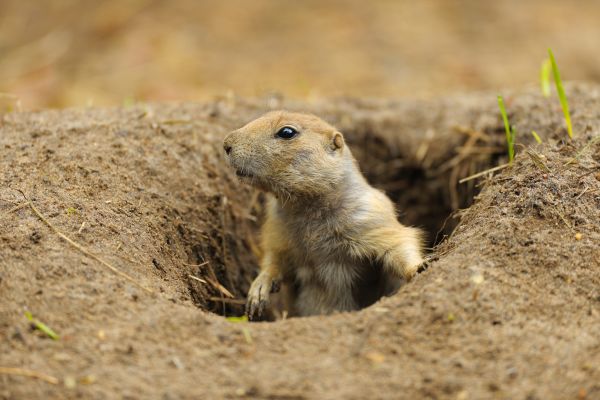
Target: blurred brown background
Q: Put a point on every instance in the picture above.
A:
(65, 52)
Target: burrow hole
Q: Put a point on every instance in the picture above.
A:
(425, 197)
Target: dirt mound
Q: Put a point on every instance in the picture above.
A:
(508, 308)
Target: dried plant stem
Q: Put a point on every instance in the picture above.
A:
(82, 249)
(29, 373)
(230, 301)
(487, 171)
(195, 265)
(584, 148)
(16, 208)
(222, 289)
(537, 160)
(197, 279)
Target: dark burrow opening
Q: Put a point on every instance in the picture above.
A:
(427, 196)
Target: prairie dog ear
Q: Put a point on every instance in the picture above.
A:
(337, 141)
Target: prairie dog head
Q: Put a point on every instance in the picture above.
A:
(288, 154)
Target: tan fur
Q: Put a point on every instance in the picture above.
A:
(332, 239)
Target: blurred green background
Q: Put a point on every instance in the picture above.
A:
(60, 53)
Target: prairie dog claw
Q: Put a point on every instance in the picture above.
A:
(258, 295)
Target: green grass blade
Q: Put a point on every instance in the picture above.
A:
(536, 137)
(512, 141)
(561, 94)
(243, 318)
(510, 133)
(545, 77)
(39, 325)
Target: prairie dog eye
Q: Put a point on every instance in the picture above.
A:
(287, 132)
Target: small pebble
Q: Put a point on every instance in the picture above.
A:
(177, 362)
(70, 382)
(477, 279)
(88, 380)
(578, 236)
(375, 357)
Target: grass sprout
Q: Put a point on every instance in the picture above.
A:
(243, 318)
(536, 137)
(561, 94)
(510, 132)
(545, 77)
(39, 325)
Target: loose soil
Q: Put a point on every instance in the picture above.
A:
(508, 306)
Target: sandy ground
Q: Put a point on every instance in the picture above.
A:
(509, 306)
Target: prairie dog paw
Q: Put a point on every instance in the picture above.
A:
(258, 295)
(409, 271)
(411, 263)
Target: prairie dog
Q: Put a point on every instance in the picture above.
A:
(329, 237)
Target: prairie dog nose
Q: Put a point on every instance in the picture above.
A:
(227, 143)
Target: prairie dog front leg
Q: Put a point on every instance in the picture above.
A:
(398, 247)
(265, 283)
